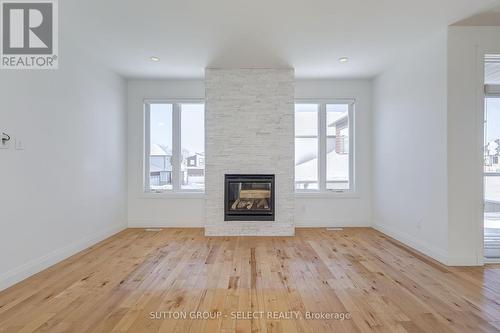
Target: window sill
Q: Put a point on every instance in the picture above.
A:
(173, 195)
(326, 194)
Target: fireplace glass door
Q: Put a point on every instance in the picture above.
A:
(249, 197)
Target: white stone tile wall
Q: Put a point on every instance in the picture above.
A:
(249, 129)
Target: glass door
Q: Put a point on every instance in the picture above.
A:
(492, 178)
(492, 158)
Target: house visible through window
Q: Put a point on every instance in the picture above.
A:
(174, 146)
(306, 147)
(323, 146)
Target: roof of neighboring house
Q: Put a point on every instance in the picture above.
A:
(156, 168)
(340, 119)
(158, 150)
(197, 154)
(338, 167)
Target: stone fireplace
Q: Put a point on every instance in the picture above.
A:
(249, 128)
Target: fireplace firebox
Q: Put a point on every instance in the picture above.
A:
(249, 198)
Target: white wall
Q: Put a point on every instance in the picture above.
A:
(466, 49)
(66, 189)
(143, 211)
(410, 149)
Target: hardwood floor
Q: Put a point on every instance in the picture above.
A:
(375, 282)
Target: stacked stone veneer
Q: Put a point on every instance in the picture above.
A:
(249, 129)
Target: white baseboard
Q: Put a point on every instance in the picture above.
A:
(322, 223)
(162, 223)
(465, 261)
(37, 265)
(417, 244)
(309, 223)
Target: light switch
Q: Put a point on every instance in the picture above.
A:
(19, 144)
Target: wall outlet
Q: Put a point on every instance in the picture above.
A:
(19, 144)
(302, 208)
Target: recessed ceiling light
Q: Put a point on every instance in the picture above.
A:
(154, 58)
(343, 60)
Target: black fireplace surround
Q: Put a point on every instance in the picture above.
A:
(249, 198)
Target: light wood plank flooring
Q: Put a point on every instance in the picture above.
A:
(376, 283)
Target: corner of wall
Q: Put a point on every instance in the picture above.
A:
(37, 265)
(420, 245)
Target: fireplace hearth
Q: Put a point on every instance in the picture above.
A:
(249, 198)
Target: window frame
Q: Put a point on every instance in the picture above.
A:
(491, 90)
(322, 144)
(176, 159)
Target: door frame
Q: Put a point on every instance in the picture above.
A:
(480, 118)
(495, 95)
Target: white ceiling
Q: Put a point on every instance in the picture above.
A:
(310, 36)
(487, 18)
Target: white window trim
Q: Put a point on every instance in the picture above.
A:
(323, 191)
(176, 191)
(170, 194)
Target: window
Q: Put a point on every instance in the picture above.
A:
(323, 146)
(174, 146)
(306, 147)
